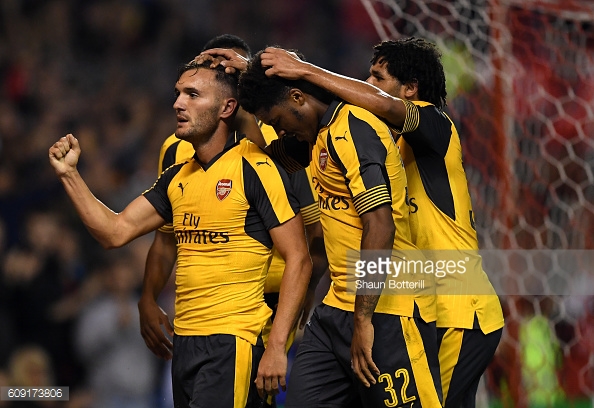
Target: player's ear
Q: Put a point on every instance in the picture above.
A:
(297, 96)
(411, 89)
(229, 107)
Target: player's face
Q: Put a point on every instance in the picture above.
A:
(379, 76)
(197, 106)
(291, 119)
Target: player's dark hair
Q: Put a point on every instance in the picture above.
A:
(415, 60)
(228, 41)
(258, 91)
(228, 80)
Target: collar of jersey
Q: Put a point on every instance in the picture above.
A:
(232, 141)
(333, 109)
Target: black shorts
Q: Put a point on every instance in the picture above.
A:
(464, 355)
(404, 350)
(215, 371)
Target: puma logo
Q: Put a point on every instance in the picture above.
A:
(263, 162)
(341, 137)
(181, 186)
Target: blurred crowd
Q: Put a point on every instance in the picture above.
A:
(104, 70)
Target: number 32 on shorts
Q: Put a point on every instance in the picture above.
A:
(393, 400)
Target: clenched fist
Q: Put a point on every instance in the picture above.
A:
(64, 154)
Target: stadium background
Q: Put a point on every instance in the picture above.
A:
(520, 89)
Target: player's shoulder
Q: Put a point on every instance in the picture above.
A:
(360, 113)
(170, 140)
(250, 151)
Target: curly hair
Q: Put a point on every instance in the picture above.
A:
(229, 81)
(260, 92)
(415, 60)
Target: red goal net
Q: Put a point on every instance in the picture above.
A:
(520, 81)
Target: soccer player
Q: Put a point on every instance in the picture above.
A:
(407, 88)
(387, 342)
(163, 250)
(227, 212)
(162, 253)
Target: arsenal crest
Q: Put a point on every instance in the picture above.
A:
(223, 188)
(323, 159)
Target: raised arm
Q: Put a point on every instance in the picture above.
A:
(109, 228)
(289, 240)
(287, 65)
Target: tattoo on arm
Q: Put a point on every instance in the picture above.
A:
(365, 304)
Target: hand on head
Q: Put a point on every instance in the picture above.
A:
(228, 58)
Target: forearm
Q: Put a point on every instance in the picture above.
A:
(378, 234)
(246, 124)
(160, 261)
(358, 93)
(100, 220)
(317, 251)
(292, 293)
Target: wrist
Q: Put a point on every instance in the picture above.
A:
(276, 345)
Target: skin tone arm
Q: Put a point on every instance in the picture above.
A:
(378, 233)
(109, 228)
(289, 240)
(287, 65)
(317, 251)
(159, 265)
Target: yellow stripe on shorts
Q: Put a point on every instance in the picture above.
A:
(418, 360)
(449, 352)
(243, 371)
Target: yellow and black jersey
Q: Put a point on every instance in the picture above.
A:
(441, 215)
(355, 168)
(221, 214)
(308, 206)
(173, 150)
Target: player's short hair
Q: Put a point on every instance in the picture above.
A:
(260, 92)
(228, 41)
(228, 81)
(415, 60)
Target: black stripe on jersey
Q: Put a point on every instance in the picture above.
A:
(334, 156)
(169, 156)
(430, 143)
(157, 194)
(301, 188)
(260, 216)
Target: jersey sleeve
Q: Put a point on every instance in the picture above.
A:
(268, 190)
(292, 154)
(157, 194)
(308, 204)
(360, 154)
(426, 129)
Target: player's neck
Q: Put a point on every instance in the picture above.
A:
(207, 150)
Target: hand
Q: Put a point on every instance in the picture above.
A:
(283, 63)
(228, 58)
(152, 318)
(361, 347)
(307, 305)
(64, 154)
(272, 371)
